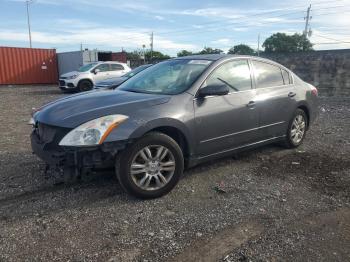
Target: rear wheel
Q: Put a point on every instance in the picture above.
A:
(85, 85)
(296, 129)
(151, 167)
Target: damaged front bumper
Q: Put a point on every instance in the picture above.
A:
(77, 160)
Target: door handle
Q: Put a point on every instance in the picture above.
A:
(251, 104)
(292, 94)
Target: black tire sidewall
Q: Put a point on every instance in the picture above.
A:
(82, 82)
(123, 163)
(289, 141)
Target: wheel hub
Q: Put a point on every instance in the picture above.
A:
(153, 167)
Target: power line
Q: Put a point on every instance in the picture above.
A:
(242, 23)
(254, 15)
(333, 43)
(181, 32)
(329, 38)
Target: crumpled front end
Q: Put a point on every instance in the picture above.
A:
(45, 144)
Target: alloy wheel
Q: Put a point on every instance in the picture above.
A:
(298, 129)
(152, 167)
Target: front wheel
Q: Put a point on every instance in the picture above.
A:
(151, 167)
(85, 85)
(296, 129)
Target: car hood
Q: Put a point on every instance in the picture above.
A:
(70, 74)
(75, 110)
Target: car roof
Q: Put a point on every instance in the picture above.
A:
(212, 57)
(110, 62)
(216, 57)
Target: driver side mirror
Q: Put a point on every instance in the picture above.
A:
(213, 90)
(96, 71)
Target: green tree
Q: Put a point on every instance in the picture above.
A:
(241, 49)
(184, 53)
(135, 55)
(156, 55)
(209, 50)
(283, 43)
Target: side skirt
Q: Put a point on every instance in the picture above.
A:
(198, 160)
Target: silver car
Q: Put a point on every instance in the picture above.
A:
(174, 115)
(88, 75)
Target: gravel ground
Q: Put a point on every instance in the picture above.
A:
(270, 204)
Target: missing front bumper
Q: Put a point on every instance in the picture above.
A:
(76, 160)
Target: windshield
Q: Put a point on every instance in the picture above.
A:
(86, 67)
(136, 71)
(170, 77)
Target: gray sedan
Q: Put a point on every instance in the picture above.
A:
(175, 115)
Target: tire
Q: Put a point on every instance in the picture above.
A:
(293, 140)
(153, 176)
(85, 85)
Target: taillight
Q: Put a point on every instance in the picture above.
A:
(314, 90)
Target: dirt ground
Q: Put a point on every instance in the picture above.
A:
(270, 204)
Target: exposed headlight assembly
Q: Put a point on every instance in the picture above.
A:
(93, 132)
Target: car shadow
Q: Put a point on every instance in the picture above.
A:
(103, 186)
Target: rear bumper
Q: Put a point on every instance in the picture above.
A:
(314, 109)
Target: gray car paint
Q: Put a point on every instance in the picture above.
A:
(212, 126)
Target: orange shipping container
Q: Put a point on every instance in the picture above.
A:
(20, 66)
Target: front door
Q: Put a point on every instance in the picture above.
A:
(226, 122)
(103, 73)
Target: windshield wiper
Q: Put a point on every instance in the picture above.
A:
(227, 84)
(132, 90)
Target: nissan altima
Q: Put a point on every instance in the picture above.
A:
(174, 115)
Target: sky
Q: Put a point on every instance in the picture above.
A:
(113, 25)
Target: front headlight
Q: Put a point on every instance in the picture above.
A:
(72, 77)
(93, 132)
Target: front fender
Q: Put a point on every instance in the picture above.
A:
(134, 128)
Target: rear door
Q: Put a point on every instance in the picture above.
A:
(229, 121)
(117, 70)
(275, 98)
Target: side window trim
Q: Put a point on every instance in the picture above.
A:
(290, 76)
(252, 74)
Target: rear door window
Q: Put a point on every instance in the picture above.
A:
(116, 67)
(235, 74)
(267, 75)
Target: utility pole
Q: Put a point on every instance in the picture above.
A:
(28, 2)
(259, 45)
(151, 45)
(144, 54)
(307, 30)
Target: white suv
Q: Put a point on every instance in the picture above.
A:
(87, 75)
